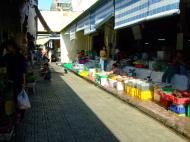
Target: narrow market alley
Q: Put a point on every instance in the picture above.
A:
(70, 109)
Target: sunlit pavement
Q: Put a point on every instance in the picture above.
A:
(70, 109)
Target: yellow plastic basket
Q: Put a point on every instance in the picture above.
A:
(84, 74)
(133, 91)
(146, 95)
(9, 107)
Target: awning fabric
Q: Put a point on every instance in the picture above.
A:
(72, 32)
(87, 26)
(104, 12)
(81, 24)
(99, 16)
(128, 12)
(161, 8)
(90, 26)
(67, 32)
(92, 22)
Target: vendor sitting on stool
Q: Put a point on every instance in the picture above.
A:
(82, 57)
(45, 72)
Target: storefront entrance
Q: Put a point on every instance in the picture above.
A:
(98, 42)
(152, 36)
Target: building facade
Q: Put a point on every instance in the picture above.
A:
(71, 5)
(128, 26)
(61, 5)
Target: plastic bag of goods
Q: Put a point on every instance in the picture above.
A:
(23, 100)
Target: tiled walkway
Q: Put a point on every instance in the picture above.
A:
(69, 109)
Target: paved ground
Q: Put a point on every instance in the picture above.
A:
(69, 109)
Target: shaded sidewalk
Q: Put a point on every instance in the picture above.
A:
(59, 115)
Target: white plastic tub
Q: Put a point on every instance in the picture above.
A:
(112, 83)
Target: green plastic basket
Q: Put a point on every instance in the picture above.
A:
(188, 110)
(68, 66)
(101, 76)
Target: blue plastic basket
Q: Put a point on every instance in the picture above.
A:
(179, 109)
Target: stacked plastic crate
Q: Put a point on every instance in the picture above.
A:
(175, 100)
(166, 97)
(139, 88)
(180, 103)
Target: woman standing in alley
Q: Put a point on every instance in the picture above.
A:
(16, 66)
(103, 58)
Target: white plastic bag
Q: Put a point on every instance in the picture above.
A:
(23, 100)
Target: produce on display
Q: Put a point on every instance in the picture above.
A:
(170, 98)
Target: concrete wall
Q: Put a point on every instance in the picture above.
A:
(69, 48)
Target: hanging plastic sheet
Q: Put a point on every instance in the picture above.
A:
(34, 2)
(24, 11)
(31, 27)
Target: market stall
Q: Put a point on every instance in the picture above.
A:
(149, 48)
(140, 82)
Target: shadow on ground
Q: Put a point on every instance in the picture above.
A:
(58, 115)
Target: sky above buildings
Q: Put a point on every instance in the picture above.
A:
(44, 4)
(78, 5)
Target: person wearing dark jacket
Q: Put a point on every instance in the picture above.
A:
(16, 66)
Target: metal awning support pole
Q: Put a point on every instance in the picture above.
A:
(41, 18)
